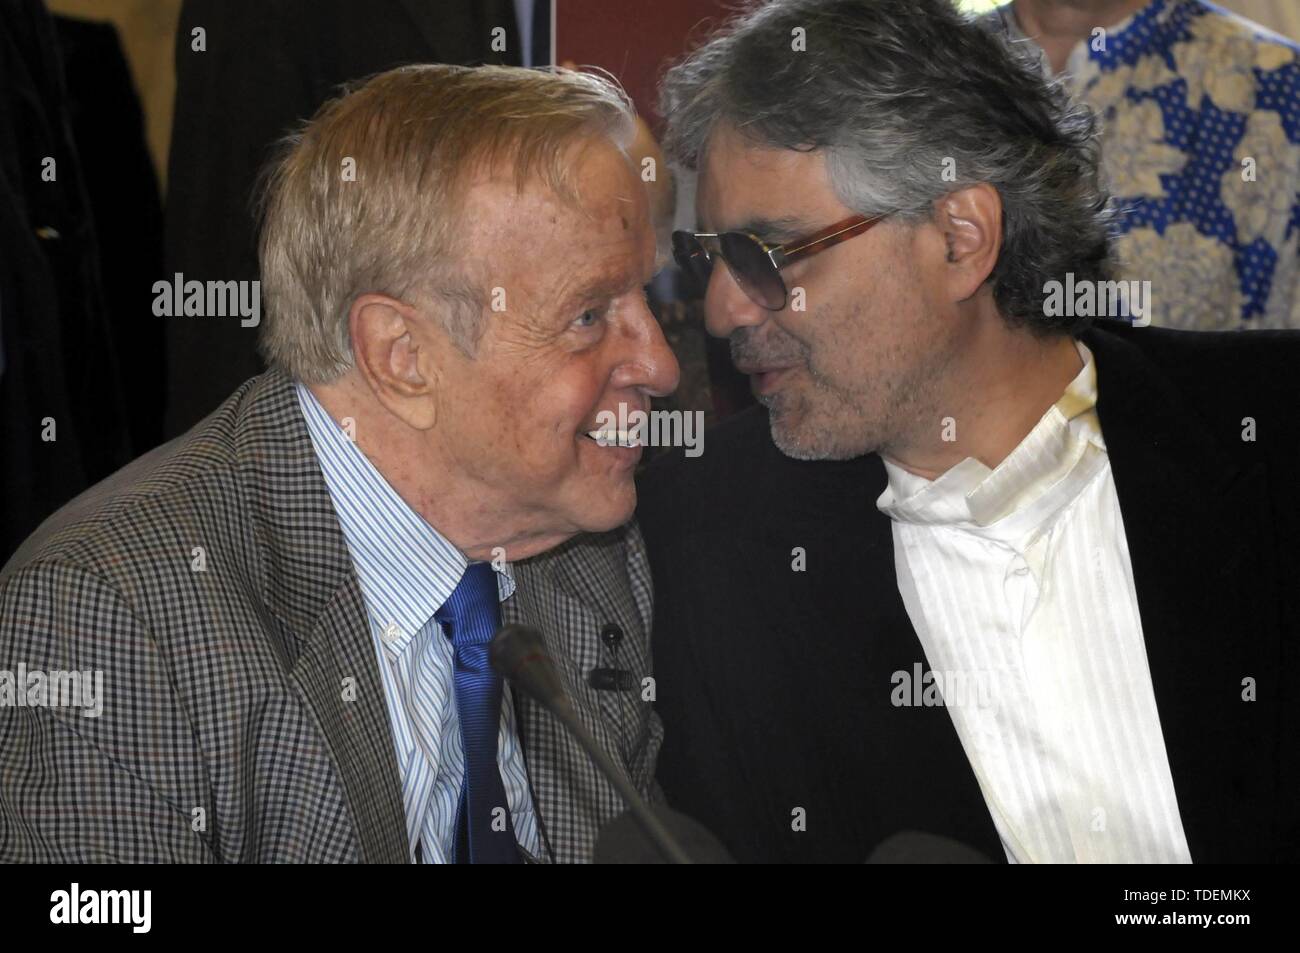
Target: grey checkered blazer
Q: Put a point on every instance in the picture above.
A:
(225, 735)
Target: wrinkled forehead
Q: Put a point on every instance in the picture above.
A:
(599, 194)
(544, 240)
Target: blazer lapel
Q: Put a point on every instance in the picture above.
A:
(311, 586)
(357, 729)
(569, 595)
(591, 591)
(1200, 542)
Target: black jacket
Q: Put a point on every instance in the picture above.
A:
(774, 685)
(62, 422)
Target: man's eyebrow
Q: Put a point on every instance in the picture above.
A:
(601, 287)
(611, 286)
(773, 230)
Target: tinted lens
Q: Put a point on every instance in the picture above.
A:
(692, 258)
(753, 270)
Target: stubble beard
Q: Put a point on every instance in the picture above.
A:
(820, 419)
(837, 423)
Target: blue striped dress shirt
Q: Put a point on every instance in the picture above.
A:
(407, 570)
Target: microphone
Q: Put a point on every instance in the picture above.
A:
(519, 655)
(622, 841)
(611, 679)
(917, 847)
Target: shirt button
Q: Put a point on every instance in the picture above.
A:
(392, 633)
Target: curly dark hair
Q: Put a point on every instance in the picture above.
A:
(896, 92)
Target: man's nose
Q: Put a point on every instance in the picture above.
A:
(650, 365)
(727, 307)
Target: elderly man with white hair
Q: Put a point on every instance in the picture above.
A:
(290, 605)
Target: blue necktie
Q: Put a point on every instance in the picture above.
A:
(470, 617)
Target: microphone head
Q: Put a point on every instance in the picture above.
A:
(518, 653)
(917, 847)
(622, 840)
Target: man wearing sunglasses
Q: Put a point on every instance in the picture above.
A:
(983, 565)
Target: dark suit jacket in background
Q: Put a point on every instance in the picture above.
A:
(224, 688)
(108, 129)
(269, 64)
(57, 356)
(774, 686)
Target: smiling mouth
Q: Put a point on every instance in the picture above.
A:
(612, 438)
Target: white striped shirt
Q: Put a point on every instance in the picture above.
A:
(407, 570)
(1019, 584)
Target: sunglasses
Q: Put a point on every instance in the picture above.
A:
(755, 264)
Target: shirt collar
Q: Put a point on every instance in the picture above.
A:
(406, 568)
(1048, 465)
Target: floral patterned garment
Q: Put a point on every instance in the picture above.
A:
(1201, 145)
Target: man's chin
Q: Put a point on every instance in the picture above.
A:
(597, 512)
(795, 445)
(608, 507)
(801, 434)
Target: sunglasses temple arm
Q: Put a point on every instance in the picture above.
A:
(809, 247)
